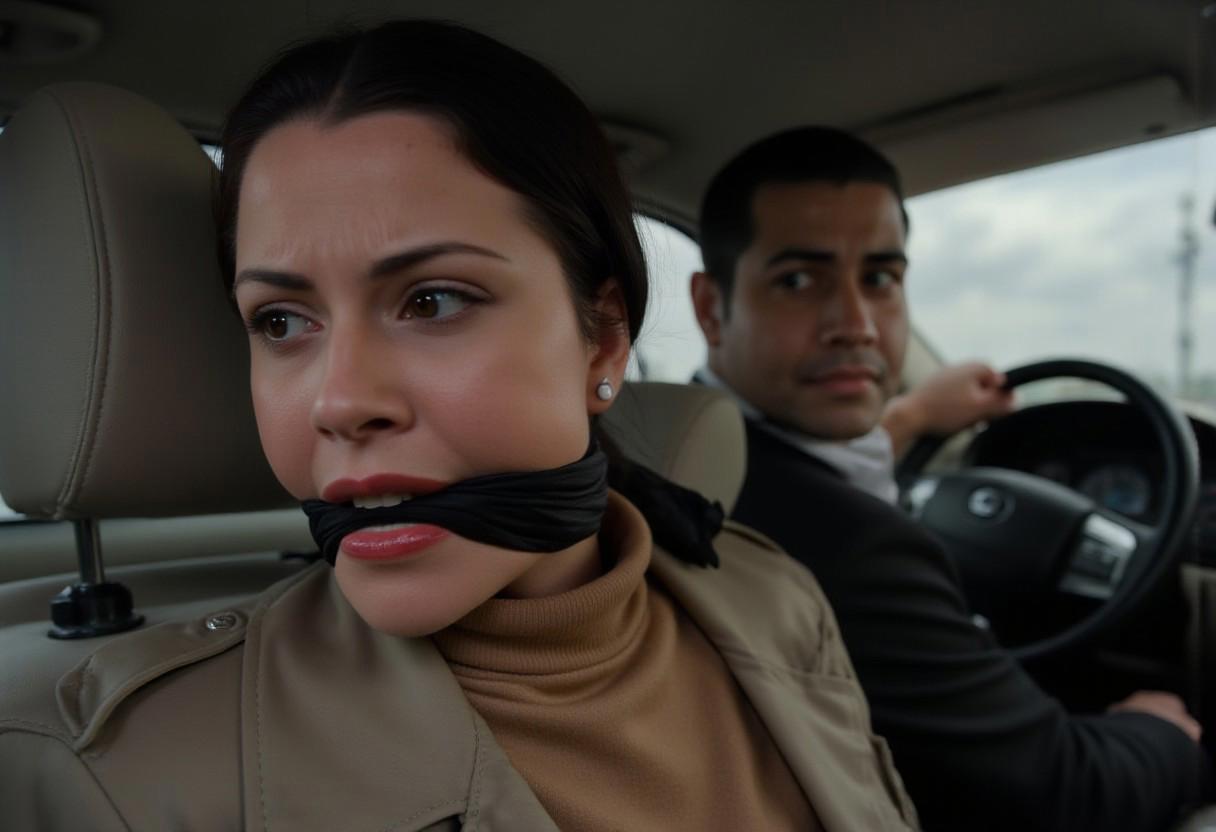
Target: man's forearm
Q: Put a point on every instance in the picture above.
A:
(904, 422)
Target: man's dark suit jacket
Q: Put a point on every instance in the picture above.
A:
(979, 744)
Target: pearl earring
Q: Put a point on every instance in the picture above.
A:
(604, 390)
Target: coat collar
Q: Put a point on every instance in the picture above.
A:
(444, 763)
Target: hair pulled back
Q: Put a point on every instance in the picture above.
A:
(512, 117)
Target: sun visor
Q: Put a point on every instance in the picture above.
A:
(1000, 131)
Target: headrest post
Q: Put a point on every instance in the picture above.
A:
(95, 606)
(88, 551)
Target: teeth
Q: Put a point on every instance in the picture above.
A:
(380, 500)
(390, 527)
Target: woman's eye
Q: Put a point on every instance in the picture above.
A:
(436, 304)
(278, 325)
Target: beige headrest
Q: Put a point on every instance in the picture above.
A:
(691, 434)
(124, 376)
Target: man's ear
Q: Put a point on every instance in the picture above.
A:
(610, 350)
(709, 306)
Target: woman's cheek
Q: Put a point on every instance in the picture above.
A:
(286, 434)
(521, 403)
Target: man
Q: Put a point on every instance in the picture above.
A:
(802, 304)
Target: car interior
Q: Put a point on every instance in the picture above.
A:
(127, 444)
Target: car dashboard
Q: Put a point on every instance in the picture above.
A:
(1107, 451)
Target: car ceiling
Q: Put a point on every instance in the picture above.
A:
(953, 89)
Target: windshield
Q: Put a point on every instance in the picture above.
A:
(1111, 257)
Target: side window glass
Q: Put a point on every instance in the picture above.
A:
(670, 346)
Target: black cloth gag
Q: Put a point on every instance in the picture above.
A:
(539, 511)
(531, 511)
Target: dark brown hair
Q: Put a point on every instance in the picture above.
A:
(512, 117)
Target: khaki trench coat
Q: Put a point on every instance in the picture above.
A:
(287, 712)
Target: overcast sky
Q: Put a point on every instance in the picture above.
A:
(1072, 259)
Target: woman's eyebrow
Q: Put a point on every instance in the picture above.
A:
(413, 257)
(283, 280)
(389, 265)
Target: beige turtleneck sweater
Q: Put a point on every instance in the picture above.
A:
(616, 709)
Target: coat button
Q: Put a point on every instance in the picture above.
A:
(222, 621)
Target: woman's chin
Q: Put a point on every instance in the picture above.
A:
(420, 596)
(405, 617)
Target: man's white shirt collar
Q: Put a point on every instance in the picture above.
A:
(867, 462)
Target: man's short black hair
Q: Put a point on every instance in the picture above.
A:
(803, 154)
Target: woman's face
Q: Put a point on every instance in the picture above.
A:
(409, 328)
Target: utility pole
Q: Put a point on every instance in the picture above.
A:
(1188, 253)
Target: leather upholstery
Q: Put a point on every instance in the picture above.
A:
(125, 370)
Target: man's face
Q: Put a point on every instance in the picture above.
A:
(816, 329)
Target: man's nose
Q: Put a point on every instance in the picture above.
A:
(360, 396)
(847, 319)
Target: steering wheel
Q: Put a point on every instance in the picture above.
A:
(1023, 542)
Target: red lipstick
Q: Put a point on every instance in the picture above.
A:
(378, 544)
(345, 490)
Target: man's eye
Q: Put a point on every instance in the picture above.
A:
(436, 304)
(880, 280)
(278, 325)
(796, 280)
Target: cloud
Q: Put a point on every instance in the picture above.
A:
(1076, 259)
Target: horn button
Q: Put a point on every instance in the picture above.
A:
(1024, 529)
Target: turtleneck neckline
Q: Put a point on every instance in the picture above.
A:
(569, 631)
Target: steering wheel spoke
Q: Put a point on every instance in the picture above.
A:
(1105, 549)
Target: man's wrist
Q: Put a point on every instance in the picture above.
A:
(903, 420)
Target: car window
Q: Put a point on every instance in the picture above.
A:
(1084, 258)
(670, 346)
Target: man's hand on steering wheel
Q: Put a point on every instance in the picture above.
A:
(1162, 705)
(950, 400)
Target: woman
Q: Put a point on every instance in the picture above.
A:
(434, 256)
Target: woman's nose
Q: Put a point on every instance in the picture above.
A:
(360, 397)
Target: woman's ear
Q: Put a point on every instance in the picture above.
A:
(610, 350)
